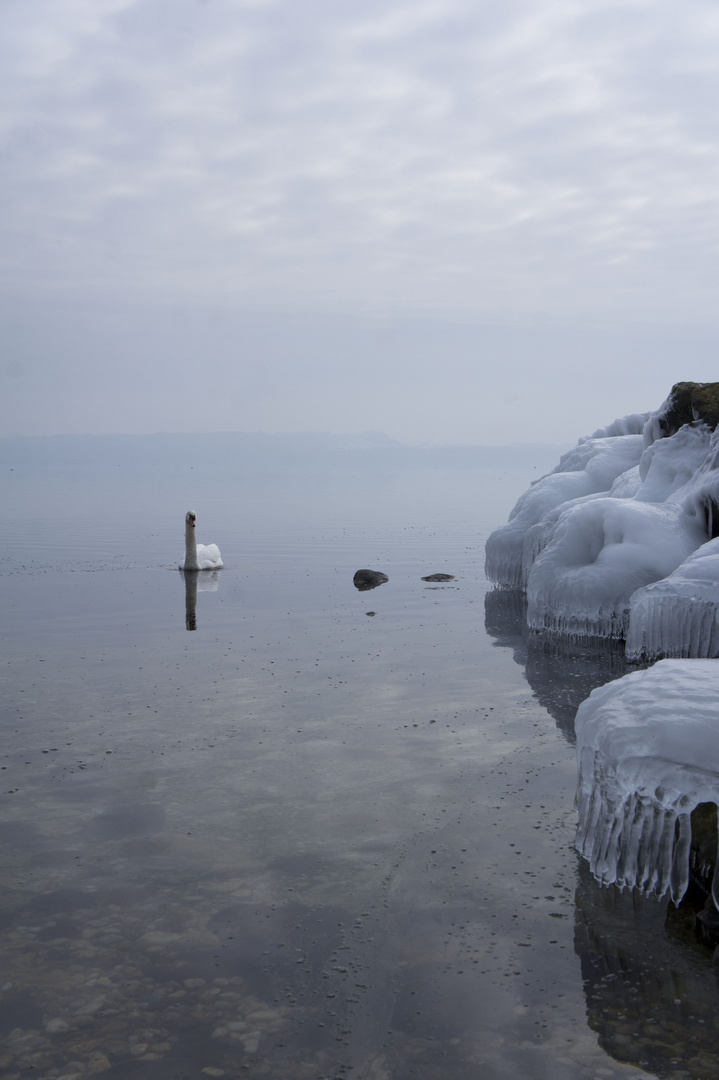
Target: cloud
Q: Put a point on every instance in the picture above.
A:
(470, 162)
(467, 157)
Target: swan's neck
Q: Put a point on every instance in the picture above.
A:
(190, 547)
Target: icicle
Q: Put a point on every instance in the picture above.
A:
(680, 858)
(648, 755)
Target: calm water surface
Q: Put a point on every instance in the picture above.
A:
(327, 833)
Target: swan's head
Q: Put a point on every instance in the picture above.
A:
(190, 518)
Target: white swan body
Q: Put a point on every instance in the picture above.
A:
(199, 556)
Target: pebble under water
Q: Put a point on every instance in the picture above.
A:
(327, 833)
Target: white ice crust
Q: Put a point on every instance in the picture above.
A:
(648, 754)
(679, 615)
(588, 469)
(609, 543)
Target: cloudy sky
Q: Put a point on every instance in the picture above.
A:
(448, 220)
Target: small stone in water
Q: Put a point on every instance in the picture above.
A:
(251, 1042)
(97, 1062)
(56, 1026)
(92, 1006)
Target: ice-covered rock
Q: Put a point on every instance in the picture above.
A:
(669, 464)
(648, 755)
(590, 468)
(621, 512)
(678, 616)
(600, 552)
(633, 424)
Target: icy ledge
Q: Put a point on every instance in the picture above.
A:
(648, 754)
(605, 544)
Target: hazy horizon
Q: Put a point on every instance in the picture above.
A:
(348, 439)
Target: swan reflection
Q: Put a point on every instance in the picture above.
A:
(197, 581)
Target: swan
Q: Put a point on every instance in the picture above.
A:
(199, 556)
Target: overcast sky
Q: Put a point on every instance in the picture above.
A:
(448, 220)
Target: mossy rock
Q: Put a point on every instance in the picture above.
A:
(689, 402)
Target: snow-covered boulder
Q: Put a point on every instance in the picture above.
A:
(648, 755)
(621, 512)
(590, 468)
(599, 554)
(679, 615)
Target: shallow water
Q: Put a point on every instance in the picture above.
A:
(327, 833)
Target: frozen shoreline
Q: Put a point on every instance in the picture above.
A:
(617, 540)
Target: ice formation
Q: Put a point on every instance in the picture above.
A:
(589, 469)
(679, 615)
(609, 543)
(648, 754)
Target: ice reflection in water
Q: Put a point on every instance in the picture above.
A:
(562, 673)
(650, 984)
(652, 995)
(300, 842)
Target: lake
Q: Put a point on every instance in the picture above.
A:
(276, 826)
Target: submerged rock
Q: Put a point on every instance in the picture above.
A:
(369, 579)
(439, 577)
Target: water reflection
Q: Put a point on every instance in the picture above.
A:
(197, 581)
(313, 843)
(369, 579)
(652, 995)
(561, 672)
(650, 985)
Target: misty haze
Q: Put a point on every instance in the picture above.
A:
(327, 289)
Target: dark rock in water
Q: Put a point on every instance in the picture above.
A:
(439, 577)
(369, 579)
(707, 924)
(703, 850)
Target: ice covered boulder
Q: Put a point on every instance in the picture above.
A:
(621, 511)
(672, 464)
(590, 468)
(600, 552)
(648, 755)
(679, 615)
(589, 556)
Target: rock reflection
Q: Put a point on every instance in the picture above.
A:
(197, 581)
(561, 672)
(649, 994)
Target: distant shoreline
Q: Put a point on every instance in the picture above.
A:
(254, 450)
